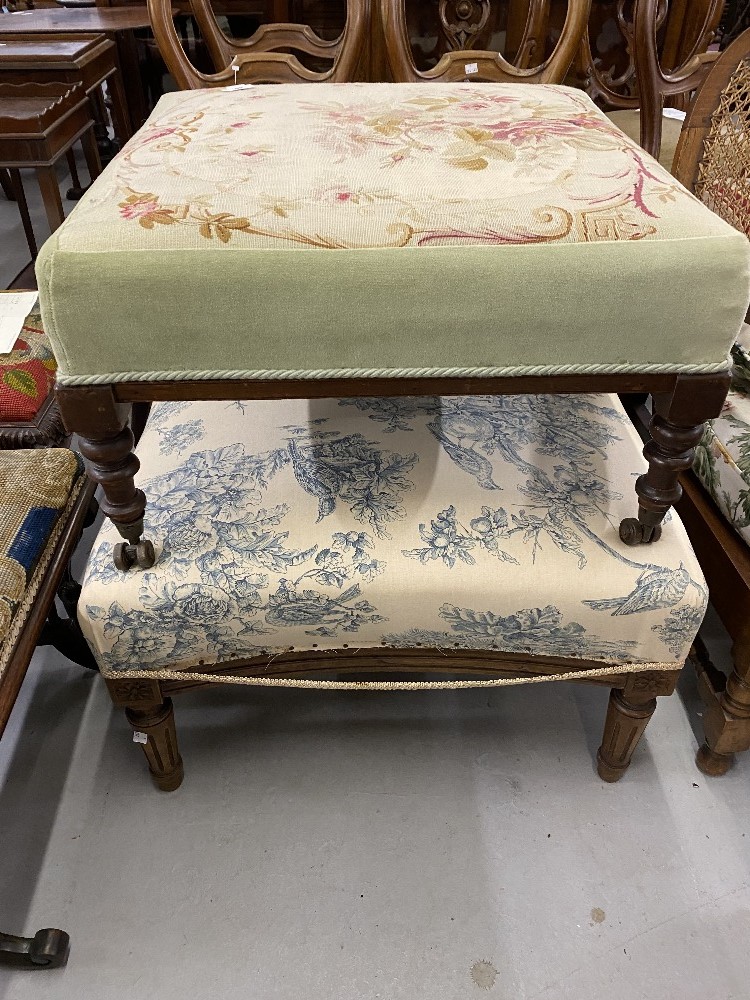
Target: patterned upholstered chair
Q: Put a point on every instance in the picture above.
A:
(637, 95)
(45, 501)
(713, 160)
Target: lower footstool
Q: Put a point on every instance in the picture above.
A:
(303, 542)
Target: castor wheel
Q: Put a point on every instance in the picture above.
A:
(141, 554)
(635, 532)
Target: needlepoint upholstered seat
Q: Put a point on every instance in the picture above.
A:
(277, 214)
(463, 534)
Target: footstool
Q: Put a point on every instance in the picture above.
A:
(465, 535)
(384, 239)
(29, 416)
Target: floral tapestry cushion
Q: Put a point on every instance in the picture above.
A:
(27, 373)
(470, 228)
(473, 522)
(35, 487)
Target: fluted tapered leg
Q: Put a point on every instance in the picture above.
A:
(155, 727)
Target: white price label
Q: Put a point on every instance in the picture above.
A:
(470, 68)
(140, 737)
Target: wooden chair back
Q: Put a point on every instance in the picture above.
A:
(466, 63)
(713, 155)
(646, 81)
(269, 56)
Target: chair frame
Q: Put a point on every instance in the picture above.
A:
(490, 66)
(645, 84)
(254, 60)
(723, 554)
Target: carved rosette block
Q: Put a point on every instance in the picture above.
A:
(156, 723)
(463, 20)
(625, 724)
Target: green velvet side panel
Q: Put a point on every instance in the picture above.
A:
(565, 306)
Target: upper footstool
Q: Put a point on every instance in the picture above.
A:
(475, 523)
(387, 229)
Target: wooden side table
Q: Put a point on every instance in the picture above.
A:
(38, 124)
(86, 60)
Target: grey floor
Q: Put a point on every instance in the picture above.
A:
(346, 846)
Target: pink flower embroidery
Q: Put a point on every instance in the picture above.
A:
(134, 210)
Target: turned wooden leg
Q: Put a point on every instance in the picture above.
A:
(676, 428)
(726, 720)
(106, 443)
(153, 727)
(626, 722)
(75, 191)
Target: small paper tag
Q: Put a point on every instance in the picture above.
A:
(470, 68)
(140, 738)
(675, 113)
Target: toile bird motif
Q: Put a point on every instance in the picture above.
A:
(656, 587)
(316, 478)
(467, 459)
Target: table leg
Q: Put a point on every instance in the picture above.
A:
(51, 196)
(91, 152)
(23, 208)
(279, 11)
(127, 57)
(119, 107)
(6, 185)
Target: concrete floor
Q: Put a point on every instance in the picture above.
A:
(330, 846)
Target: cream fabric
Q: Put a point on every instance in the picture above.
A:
(472, 522)
(477, 229)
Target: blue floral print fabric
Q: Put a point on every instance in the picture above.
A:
(477, 522)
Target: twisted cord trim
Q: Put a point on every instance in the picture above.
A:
(368, 373)
(293, 682)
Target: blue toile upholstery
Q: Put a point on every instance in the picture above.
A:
(471, 522)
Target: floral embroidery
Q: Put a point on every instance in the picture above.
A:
(509, 164)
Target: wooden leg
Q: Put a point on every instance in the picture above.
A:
(23, 208)
(628, 715)
(154, 728)
(6, 184)
(90, 151)
(106, 443)
(676, 428)
(51, 196)
(626, 722)
(70, 156)
(727, 717)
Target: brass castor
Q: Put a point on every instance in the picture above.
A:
(126, 554)
(635, 532)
